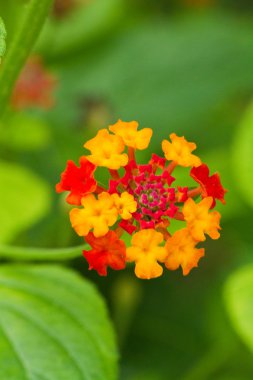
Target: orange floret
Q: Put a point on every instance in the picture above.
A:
(131, 137)
(106, 150)
(182, 252)
(125, 204)
(200, 220)
(105, 251)
(146, 252)
(179, 150)
(97, 214)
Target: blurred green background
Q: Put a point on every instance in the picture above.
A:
(182, 66)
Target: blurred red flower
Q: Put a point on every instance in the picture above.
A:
(34, 86)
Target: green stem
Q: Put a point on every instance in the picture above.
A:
(40, 254)
(24, 40)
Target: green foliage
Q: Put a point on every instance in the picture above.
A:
(24, 132)
(12, 12)
(24, 199)
(79, 28)
(2, 38)
(182, 71)
(243, 157)
(239, 301)
(53, 325)
(170, 75)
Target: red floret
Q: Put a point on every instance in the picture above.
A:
(106, 251)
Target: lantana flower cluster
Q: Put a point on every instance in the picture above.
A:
(140, 200)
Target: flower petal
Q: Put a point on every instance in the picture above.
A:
(200, 220)
(179, 150)
(146, 252)
(182, 252)
(130, 135)
(106, 251)
(79, 181)
(97, 214)
(106, 150)
(211, 185)
(125, 204)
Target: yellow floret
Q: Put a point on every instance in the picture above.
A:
(106, 150)
(131, 137)
(125, 204)
(200, 220)
(182, 252)
(179, 150)
(145, 252)
(97, 214)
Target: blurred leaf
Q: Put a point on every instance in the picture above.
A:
(24, 132)
(79, 28)
(2, 38)
(169, 74)
(53, 325)
(239, 302)
(25, 199)
(243, 157)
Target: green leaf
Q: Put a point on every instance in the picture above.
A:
(53, 325)
(12, 13)
(239, 302)
(24, 200)
(243, 157)
(24, 132)
(79, 28)
(2, 39)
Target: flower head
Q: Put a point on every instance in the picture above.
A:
(78, 181)
(107, 250)
(34, 87)
(142, 201)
